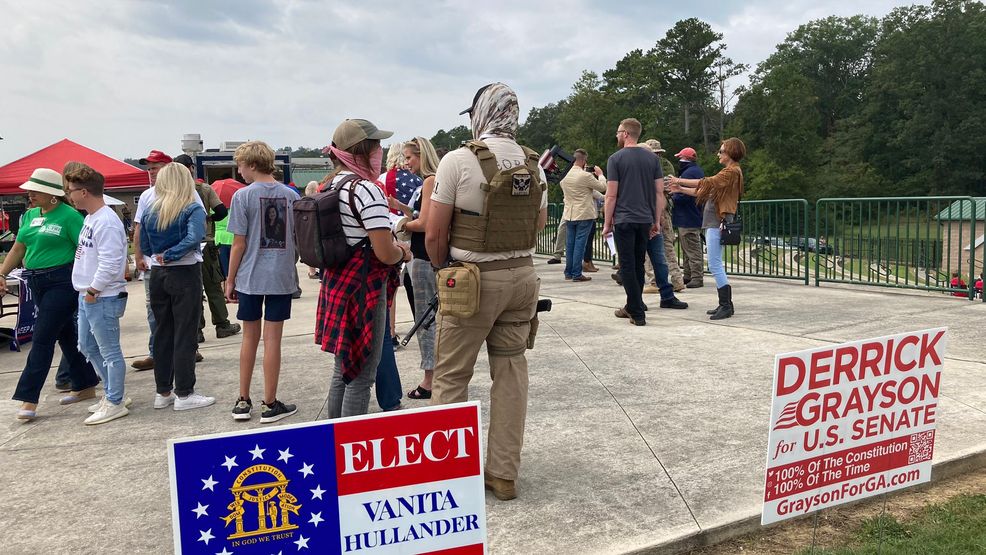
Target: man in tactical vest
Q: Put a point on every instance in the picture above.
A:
(490, 202)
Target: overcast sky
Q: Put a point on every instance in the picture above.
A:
(124, 77)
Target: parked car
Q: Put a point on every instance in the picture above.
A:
(770, 241)
(810, 244)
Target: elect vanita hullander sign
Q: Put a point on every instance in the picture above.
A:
(852, 421)
(405, 482)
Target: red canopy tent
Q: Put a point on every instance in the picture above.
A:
(118, 174)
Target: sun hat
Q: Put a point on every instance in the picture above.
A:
(654, 145)
(353, 131)
(44, 180)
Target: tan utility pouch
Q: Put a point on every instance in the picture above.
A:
(458, 290)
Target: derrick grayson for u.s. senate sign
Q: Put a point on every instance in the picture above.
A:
(401, 482)
(851, 421)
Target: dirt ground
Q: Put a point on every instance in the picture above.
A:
(839, 527)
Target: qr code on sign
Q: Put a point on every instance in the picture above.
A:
(922, 446)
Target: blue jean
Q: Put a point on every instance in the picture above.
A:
(151, 322)
(389, 389)
(655, 249)
(57, 302)
(715, 248)
(99, 341)
(578, 235)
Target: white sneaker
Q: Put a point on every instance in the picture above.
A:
(127, 401)
(107, 412)
(193, 401)
(162, 402)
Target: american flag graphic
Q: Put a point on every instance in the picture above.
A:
(788, 417)
(407, 183)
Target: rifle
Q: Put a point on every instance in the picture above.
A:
(428, 318)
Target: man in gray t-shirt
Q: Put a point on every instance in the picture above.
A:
(262, 212)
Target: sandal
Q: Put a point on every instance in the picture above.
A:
(27, 415)
(419, 393)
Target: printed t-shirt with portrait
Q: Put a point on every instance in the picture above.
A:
(635, 170)
(262, 213)
(366, 197)
(51, 239)
(144, 204)
(458, 183)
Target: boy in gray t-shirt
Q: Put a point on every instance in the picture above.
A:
(262, 273)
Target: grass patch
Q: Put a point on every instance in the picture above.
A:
(955, 527)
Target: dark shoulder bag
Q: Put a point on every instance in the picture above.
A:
(730, 232)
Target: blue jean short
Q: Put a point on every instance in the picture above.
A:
(273, 308)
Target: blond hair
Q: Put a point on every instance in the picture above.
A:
(632, 127)
(424, 150)
(395, 156)
(174, 191)
(311, 188)
(257, 155)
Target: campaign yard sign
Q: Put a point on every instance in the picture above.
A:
(852, 421)
(404, 482)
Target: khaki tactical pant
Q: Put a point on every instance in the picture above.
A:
(690, 239)
(674, 270)
(507, 303)
(560, 239)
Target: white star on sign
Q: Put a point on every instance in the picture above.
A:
(306, 469)
(208, 483)
(316, 518)
(285, 455)
(225, 552)
(302, 542)
(205, 536)
(257, 453)
(317, 492)
(230, 463)
(200, 511)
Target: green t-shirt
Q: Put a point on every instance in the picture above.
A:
(51, 239)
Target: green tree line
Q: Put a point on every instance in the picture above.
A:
(845, 106)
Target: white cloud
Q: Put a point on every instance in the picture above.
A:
(125, 77)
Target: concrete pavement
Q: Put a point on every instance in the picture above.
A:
(638, 439)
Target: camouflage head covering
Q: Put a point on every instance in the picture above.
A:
(495, 112)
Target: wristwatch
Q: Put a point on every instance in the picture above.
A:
(92, 292)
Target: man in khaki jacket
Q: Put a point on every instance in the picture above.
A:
(580, 212)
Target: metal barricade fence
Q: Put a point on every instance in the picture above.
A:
(926, 243)
(774, 240)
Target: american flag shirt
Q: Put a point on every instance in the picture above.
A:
(402, 184)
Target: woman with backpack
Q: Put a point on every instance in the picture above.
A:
(351, 319)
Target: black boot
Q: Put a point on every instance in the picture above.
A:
(725, 309)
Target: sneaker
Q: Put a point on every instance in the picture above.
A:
(107, 412)
(143, 364)
(242, 409)
(127, 401)
(275, 411)
(227, 330)
(194, 401)
(554, 261)
(162, 402)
